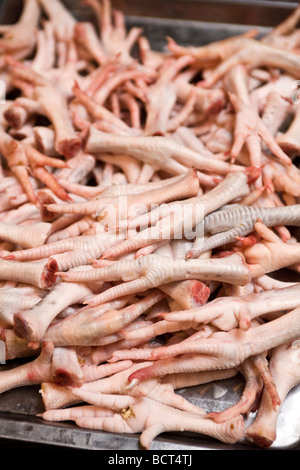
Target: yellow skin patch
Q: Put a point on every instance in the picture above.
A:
(127, 412)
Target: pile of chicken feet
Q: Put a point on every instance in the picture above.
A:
(149, 204)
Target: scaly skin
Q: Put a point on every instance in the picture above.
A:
(92, 245)
(154, 270)
(67, 140)
(20, 157)
(87, 330)
(180, 219)
(145, 416)
(57, 396)
(63, 20)
(35, 372)
(33, 273)
(254, 53)
(184, 188)
(160, 152)
(251, 394)
(19, 39)
(221, 350)
(285, 371)
(25, 236)
(33, 323)
(271, 253)
(231, 312)
(249, 128)
(94, 123)
(17, 299)
(154, 389)
(229, 223)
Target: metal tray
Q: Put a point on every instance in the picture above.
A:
(19, 407)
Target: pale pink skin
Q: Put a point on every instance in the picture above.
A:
(67, 141)
(56, 396)
(249, 128)
(285, 370)
(163, 90)
(87, 37)
(249, 398)
(20, 111)
(148, 417)
(274, 114)
(16, 299)
(145, 352)
(99, 112)
(93, 246)
(34, 372)
(153, 270)
(253, 52)
(281, 179)
(212, 52)
(289, 141)
(271, 253)
(44, 59)
(20, 156)
(187, 294)
(284, 30)
(116, 384)
(26, 236)
(229, 312)
(64, 22)
(15, 347)
(215, 353)
(65, 367)
(163, 227)
(114, 37)
(35, 273)
(79, 167)
(19, 39)
(183, 188)
(157, 151)
(79, 226)
(33, 323)
(99, 323)
(125, 321)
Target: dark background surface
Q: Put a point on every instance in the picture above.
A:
(248, 12)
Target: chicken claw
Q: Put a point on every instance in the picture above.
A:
(249, 130)
(127, 414)
(24, 160)
(20, 38)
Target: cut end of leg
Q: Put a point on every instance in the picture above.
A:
(261, 439)
(52, 266)
(47, 279)
(200, 293)
(63, 378)
(70, 147)
(23, 329)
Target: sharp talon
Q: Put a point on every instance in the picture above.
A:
(131, 385)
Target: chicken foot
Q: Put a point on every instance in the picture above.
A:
(143, 415)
